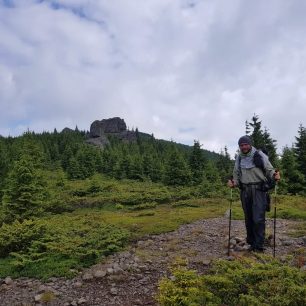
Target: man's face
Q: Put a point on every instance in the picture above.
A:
(245, 148)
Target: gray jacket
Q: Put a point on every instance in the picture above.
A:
(249, 173)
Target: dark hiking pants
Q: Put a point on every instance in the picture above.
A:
(254, 202)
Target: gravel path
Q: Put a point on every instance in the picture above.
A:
(131, 277)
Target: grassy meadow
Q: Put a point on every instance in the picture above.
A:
(87, 220)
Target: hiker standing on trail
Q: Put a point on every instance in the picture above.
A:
(254, 175)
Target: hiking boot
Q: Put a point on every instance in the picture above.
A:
(255, 249)
(258, 250)
(250, 248)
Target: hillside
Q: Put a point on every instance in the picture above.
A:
(101, 217)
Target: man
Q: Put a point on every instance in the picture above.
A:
(251, 180)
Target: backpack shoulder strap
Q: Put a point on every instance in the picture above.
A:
(259, 162)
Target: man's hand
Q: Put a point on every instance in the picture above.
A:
(231, 183)
(276, 175)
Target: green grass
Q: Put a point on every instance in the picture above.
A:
(103, 216)
(165, 218)
(290, 207)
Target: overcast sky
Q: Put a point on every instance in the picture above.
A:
(180, 69)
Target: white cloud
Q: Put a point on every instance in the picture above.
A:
(182, 70)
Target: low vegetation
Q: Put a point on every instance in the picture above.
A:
(102, 216)
(246, 281)
(61, 244)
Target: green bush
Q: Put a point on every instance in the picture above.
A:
(58, 244)
(185, 290)
(18, 236)
(240, 282)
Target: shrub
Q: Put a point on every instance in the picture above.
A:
(43, 248)
(185, 290)
(241, 282)
(18, 236)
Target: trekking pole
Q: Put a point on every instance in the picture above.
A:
(230, 223)
(274, 225)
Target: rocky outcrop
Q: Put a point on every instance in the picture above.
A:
(101, 129)
(114, 125)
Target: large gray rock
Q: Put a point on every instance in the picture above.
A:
(112, 125)
(101, 129)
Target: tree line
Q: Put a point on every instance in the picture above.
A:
(24, 160)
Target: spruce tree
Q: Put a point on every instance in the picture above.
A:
(257, 133)
(86, 159)
(197, 163)
(293, 180)
(4, 165)
(25, 191)
(157, 170)
(136, 170)
(224, 164)
(300, 149)
(147, 165)
(176, 169)
(74, 169)
(262, 140)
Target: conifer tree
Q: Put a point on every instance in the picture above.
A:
(176, 169)
(157, 170)
(29, 145)
(136, 171)
(125, 165)
(262, 140)
(86, 159)
(197, 163)
(108, 161)
(66, 156)
(270, 147)
(4, 165)
(293, 180)
(74, 169)
(147, 165)
(25, 192)
(300, 149)
(211, 181)
(257, 133)
(224, 164)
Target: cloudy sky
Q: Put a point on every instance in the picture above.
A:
(181, 69)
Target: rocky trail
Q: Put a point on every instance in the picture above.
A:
(131, 277)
